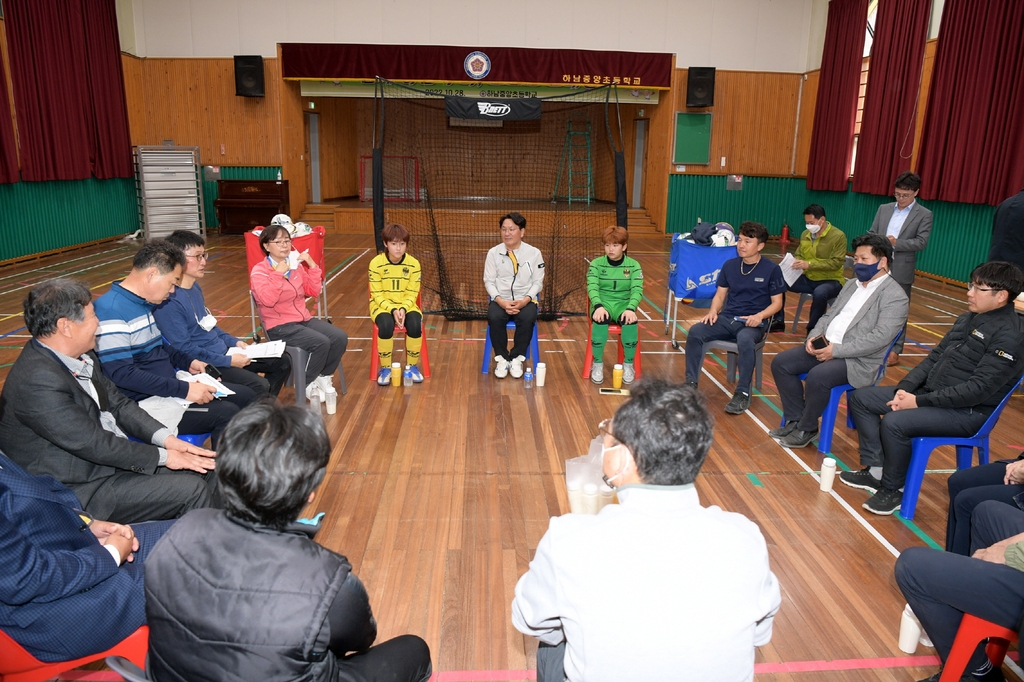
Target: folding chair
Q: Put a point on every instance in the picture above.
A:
(732, 354)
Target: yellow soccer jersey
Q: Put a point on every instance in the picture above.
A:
(392, 285)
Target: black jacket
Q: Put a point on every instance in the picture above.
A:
(229, 600)
(975, 365)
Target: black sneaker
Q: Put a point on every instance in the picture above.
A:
(861, 479)
(884, 502)
(784, 431)
(993, 675)
(799, 439)
(739, 403)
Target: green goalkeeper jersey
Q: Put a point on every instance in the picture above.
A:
(616, 287)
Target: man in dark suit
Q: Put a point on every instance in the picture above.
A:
(66, 593)
(60, 416)
(907, 224)
(1008, 231)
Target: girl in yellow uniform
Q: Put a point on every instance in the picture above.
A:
(394, 288)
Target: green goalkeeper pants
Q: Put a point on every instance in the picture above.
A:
(599, 334)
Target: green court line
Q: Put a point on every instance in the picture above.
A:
(842, 465)
(755, 480)
(340, 265)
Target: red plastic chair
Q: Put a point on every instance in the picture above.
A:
(424, 357)
(18, 665)
(973, 630)
(588, 360)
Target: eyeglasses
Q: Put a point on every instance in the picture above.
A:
(281, 242)
(197, 256)
(604, 429)
(903, 195)
(974, 287)
(509, 230)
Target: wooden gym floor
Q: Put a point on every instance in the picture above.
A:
(439, 493)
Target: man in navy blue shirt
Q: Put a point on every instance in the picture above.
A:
(750, 290)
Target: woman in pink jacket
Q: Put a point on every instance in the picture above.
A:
(280, 284)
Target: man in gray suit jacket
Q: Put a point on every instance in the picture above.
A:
(60, 416)
(907, 224)
(853, 337)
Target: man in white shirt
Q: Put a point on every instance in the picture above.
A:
(846, 346)
(513, 276)
(656, 587)
(907, 225)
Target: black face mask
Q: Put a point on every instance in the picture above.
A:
(865, 271)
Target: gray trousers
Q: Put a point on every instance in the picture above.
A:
(804, 401)
(898, 348)
(324, 342)
(551, 662)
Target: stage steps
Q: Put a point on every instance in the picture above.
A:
(318, 214)
(640, 222)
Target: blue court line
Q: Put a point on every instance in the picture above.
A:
(842, 465)
(19, 329)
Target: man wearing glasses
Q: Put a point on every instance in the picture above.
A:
(907, 224)
(657, 587)
(189, 326)
(951, 393)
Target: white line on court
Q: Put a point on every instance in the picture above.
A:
(335, 276)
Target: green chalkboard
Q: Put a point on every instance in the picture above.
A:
(693, 138)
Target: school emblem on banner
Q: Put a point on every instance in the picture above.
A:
(477, 65)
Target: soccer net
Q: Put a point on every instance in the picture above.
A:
(449, 167)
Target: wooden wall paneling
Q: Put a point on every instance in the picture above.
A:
(660, 138)
(927, 71)
(193, 102)
(9, 84)
(135, 98)
(752, 124)
(339, 149)
(808, 99)
(291, 126)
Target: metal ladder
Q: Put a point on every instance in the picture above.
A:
(575, 163)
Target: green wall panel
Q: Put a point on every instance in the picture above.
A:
(960, 238)
(233, 173)
(43, 216)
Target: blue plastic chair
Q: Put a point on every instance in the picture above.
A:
(831, 413)
(921, 450)
(532, 353)
(196, 439)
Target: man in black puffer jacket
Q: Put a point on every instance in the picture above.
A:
(245, 594)
(951, 393)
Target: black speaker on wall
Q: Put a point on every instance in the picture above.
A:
(249, 75)
(700, 86)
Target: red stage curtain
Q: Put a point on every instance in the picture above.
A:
(972, 145)
(836, 109)
(8, 142)
(890, 104)
(68, 89)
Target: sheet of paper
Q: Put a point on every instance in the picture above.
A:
(789, 273)
(270, 349)
(204, 378)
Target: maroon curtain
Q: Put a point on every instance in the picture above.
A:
(972, 145)
(68, 89)
(890, 104)
(835, 111)
(8, 142)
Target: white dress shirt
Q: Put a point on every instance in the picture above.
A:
(654, 588)
(841, 322)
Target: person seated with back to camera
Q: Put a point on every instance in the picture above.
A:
(189, 326)
(846, 346)
(394, 289)
(1001, 481)
(513, 276)
(750, 290)
(657, 587)
(821, 256)
(280, 284)
(133, 354)
(246, 594)
(66, 593)
(615, 285)
(61, 416)
(951, 392)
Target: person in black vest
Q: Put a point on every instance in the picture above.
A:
(245, 594)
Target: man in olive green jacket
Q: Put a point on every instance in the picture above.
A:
(821, 255)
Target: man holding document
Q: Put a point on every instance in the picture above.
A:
(817, 266)
(187, 325)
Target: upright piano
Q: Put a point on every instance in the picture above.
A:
(243, 204)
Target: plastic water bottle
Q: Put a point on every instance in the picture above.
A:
(407, 376)
(528, 378)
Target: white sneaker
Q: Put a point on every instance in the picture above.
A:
(325, 382)
(517, 366)
(597, 372)
(628, 373)
(501, 367)
(313, 389)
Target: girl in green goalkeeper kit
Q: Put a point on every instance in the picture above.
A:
(615, 285)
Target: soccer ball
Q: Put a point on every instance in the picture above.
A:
(300, 229)
(281, 219)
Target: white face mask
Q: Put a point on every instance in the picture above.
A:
(625, 464)
(813, 228)
(208, 322)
